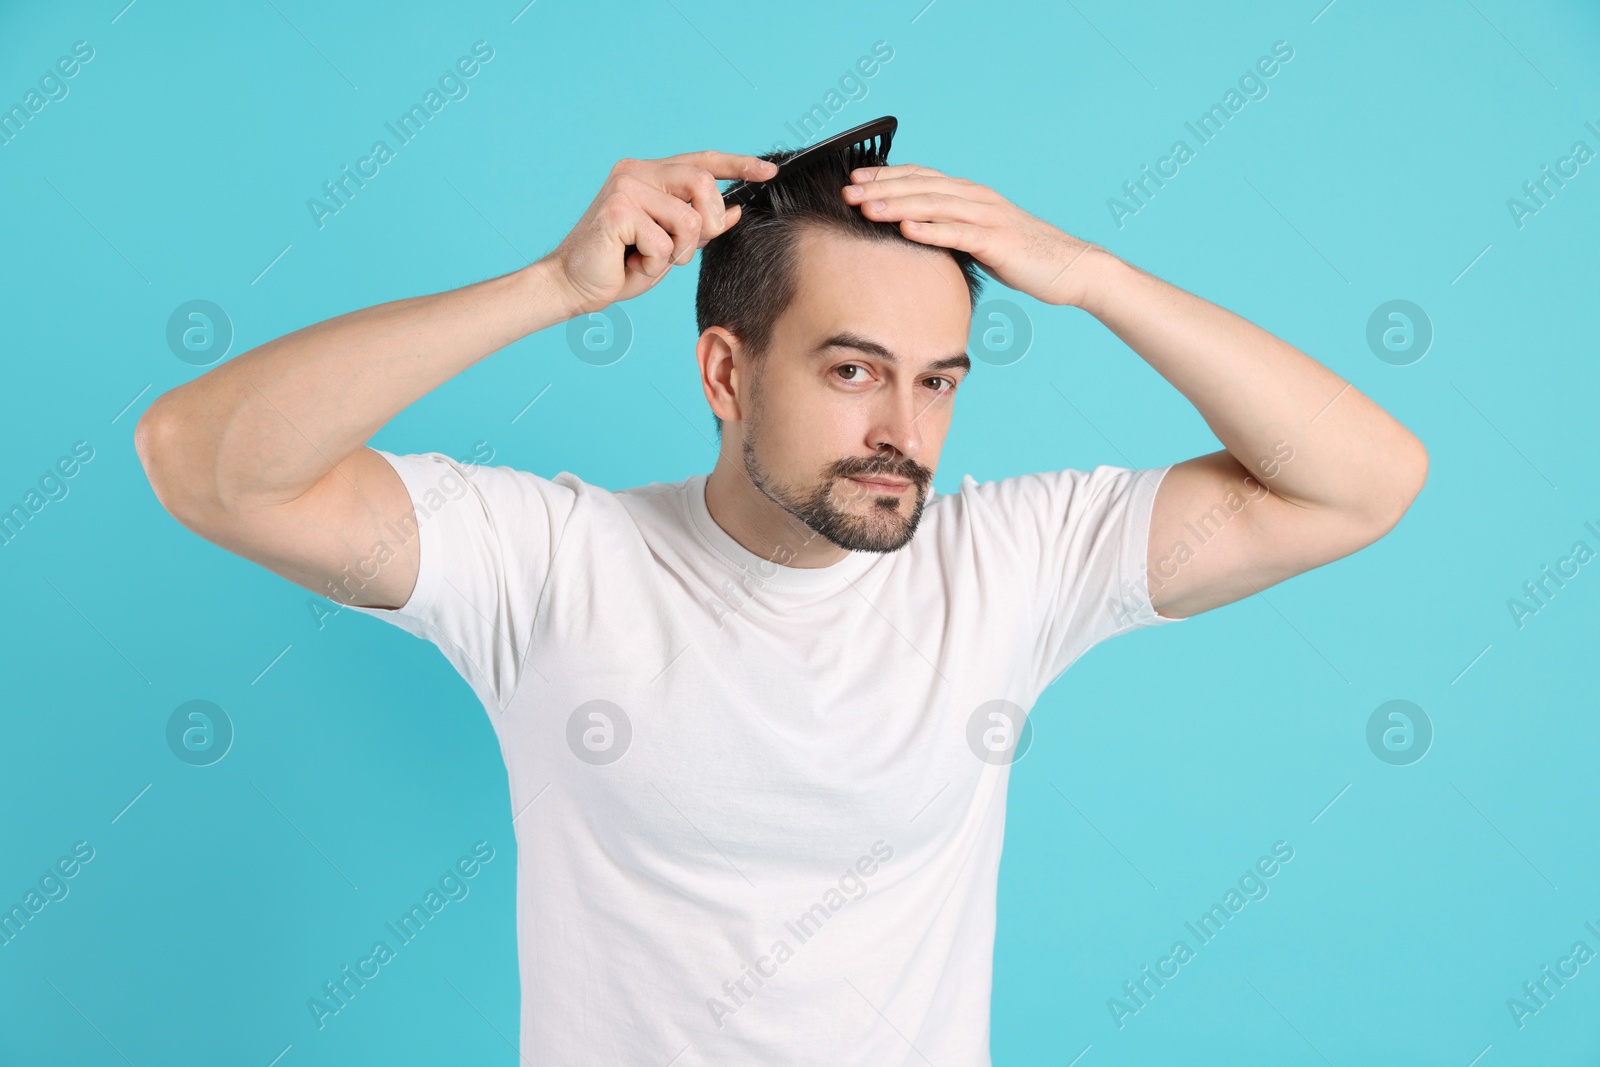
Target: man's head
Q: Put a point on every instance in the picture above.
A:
(833, 345)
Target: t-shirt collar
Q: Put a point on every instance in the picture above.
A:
(768, 573)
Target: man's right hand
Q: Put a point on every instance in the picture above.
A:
(667, 208)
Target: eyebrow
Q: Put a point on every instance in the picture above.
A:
(846, 339)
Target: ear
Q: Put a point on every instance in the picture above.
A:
(723, 366)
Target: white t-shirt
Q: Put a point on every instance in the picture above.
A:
(752, 820)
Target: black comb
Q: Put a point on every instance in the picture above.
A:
(865, 145)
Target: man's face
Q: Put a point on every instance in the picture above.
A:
(857, 386)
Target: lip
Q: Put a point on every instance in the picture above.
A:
(882, 487)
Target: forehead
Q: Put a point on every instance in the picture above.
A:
(913, 295)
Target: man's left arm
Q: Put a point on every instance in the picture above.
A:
(1312, 470)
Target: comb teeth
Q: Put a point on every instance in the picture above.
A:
(873, 151)
(859, 146)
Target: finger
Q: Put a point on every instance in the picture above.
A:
(963, 235)
(694, 184)
(927, 207)
(654, 244)
(890, 171)
(728, 164)
(912, 184)
(698, 186)
(679, 219)
(733, 215)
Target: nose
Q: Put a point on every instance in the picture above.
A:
(896, 425)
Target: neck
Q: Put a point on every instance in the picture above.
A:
(760, 524)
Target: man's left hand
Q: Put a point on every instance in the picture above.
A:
(1020, 251)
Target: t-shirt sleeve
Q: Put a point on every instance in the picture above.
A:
(1081, 539)
(488, 538)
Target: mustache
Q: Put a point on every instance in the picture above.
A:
(911, 471)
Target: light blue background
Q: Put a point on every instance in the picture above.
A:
(1378, 167)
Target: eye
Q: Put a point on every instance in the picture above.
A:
(949, 384)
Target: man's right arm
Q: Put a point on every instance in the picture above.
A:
(266, 455)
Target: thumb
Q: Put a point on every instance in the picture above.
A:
(731, 216)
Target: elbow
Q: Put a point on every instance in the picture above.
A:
(145, 432)
(152, 437)
(1421, 470)
(158, 443)
(1410, 475)
(1416, 476)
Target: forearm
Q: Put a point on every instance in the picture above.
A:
(1259, 394)
(269, 424)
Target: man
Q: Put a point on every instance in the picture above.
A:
(758, 723)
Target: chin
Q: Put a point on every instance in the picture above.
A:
(866, 524)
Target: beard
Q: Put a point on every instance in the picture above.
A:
(882, 528)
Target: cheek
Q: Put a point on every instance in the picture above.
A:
(935, 427)
(802, 422)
